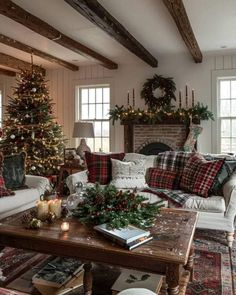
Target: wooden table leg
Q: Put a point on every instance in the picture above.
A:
(189, 265)
(88, 279)
(173, 279)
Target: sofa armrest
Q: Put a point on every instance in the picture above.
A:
(72, 179)
(229, 191)
(39, 182)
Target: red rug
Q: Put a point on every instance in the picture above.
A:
(214, 265)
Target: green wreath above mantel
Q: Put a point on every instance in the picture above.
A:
(160, 109)
(166, 87)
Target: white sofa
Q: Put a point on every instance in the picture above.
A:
(215, 212)
(24, 198)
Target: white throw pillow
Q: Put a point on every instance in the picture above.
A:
(128, 174)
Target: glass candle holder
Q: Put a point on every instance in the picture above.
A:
(65, 226)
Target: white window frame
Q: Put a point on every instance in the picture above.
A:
(218, 75)
(94, 83)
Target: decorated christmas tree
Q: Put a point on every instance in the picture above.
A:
(29, 125)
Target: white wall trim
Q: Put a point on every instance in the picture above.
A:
(215, 75)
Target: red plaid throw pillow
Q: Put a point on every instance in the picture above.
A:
(199, 175)
(160, 178)
(99, 166)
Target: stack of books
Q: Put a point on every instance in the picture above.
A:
(129, 237)
(59, 276)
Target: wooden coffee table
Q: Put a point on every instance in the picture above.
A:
(170, 253)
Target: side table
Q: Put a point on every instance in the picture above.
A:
(66, 170)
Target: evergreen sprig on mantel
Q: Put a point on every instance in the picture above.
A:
(116, 208)
(130, 115)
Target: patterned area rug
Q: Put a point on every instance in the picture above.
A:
(14, 262)
(214, 268)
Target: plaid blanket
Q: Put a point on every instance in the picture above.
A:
(176, 197)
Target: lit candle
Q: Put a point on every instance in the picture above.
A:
(42, 209)
(133, 98)
(180, 100)
(186, 92)
(192, 97)
(55, 207)
(65, 226)
(128, 98)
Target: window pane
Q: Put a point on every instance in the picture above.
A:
(106, 108)
(225, 145)
(98, 129)
(98, 111)
(84, 96)
(105, 145)
(106, 95)
(91, 111)
(233, 128)
(99, 95)
(233, 147)
(225, 108)
(105, 129)
(90, 143)
(233, 89)
(225, 128)
(92, 95)
(84, 112)
(98, 145)
(224, 89)
(233, 107)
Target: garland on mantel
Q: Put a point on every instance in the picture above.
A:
(130, 115)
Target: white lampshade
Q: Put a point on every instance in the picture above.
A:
(83, 130)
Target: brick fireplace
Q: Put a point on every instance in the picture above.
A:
(152, 139)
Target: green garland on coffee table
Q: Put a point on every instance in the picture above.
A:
(129, 115)
(116, 208)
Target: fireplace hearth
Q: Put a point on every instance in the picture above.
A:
(156, 138)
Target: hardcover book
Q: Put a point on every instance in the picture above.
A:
(129, 237)
(125, 235)
(58, 272)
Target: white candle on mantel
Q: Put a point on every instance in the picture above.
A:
(65, 226)
(42, 209)
(55, 207)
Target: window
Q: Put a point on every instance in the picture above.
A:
(94, 105)
(227, 114)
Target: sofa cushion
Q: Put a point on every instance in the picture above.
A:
(173, 161)
(161, 178)
(14, 171)
(99, 166)
(212, 204)
(133, 157)
(128, 174)
(198, 175)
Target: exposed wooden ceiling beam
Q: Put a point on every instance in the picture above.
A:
(98, 15)
(18, 14)
(15, 63)
(7, 72)
(177, 10)
(26, 48)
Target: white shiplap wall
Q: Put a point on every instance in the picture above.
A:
(62, 84)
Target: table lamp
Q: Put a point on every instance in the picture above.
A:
(83, 130)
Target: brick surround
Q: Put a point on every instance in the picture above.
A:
(139, 136)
